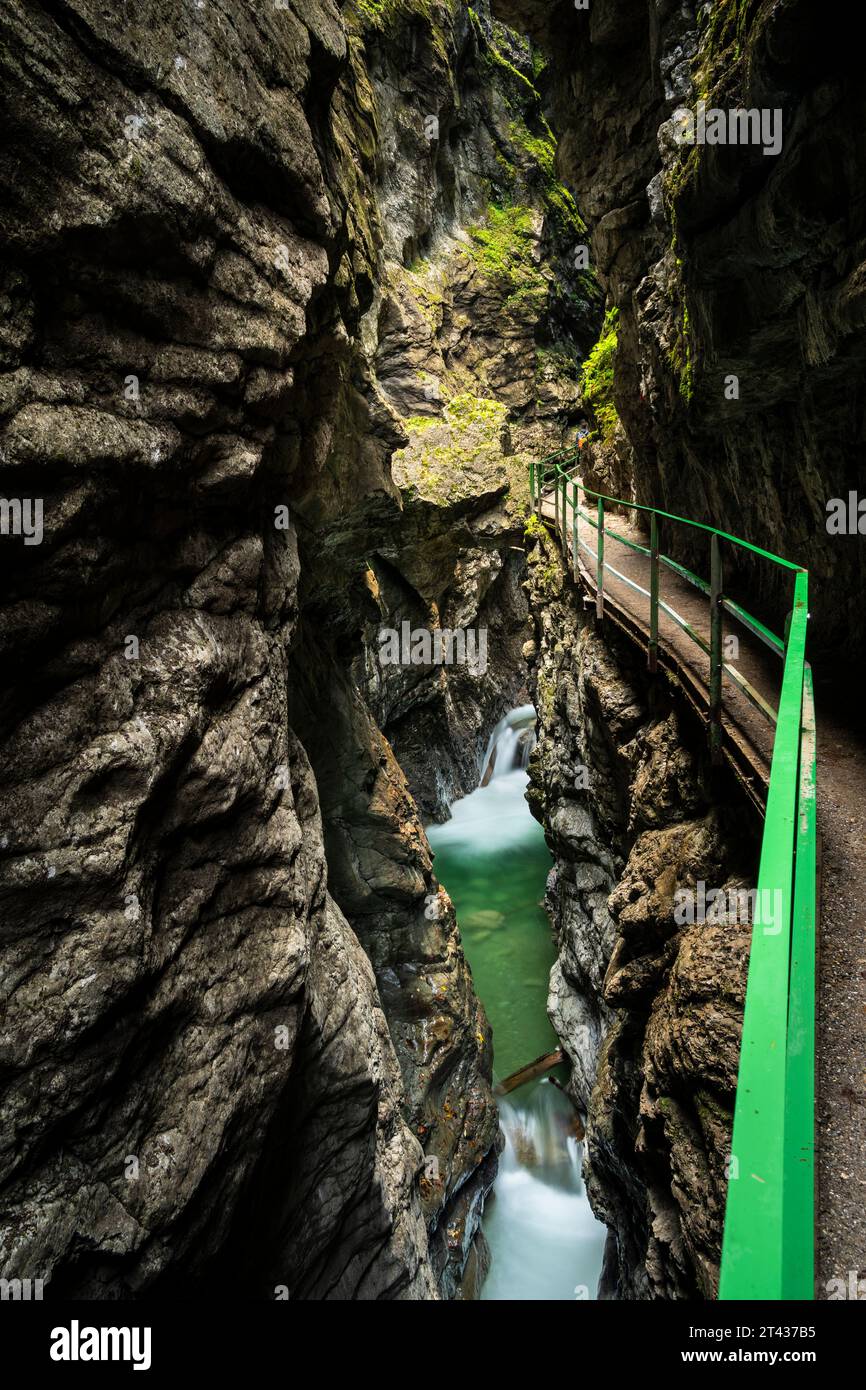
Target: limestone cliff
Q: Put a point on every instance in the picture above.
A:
(184, 1002)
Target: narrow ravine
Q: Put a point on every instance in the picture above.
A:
(492, 858)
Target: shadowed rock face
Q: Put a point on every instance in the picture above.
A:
(648, 1011)
(236, 1010)
(724, 261)
(183, 1000)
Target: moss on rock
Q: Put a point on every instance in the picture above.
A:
(597, 377)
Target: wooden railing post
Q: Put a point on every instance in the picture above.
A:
(653, 653)
(716, 617)
(599, 574)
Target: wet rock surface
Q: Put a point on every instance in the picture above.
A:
(648, 1009)
(182, 997)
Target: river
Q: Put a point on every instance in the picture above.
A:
(492, 859)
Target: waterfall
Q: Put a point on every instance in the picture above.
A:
(510, 745)
(492, 857)
(540, 1134)
(547, 1243)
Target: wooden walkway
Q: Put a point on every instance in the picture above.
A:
(748, 743)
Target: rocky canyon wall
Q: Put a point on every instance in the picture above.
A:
(242, 270)
(726, 385)
(648, 1009)
(722, 261)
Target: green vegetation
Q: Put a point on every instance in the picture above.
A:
(504, 249)
(534, 528)
(540, 148)
(540, 152)
(448, 455)
(680, 359)
(381, 14)
(497, 57)
(458, 455)
(467, 410)
(375, 10)
(529, 134)
(596, 378)
(504, 245)
(724, 42)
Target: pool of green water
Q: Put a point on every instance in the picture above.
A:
(491, 856)
(493, 861)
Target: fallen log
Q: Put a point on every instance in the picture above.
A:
(529, 1072)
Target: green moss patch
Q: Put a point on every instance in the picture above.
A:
(597, 374)
(383, 15)
(458, 456)
(680, 359)
(503, 247)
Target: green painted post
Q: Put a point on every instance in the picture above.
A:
(798, 1252)
(556, 499)
(652, 657)
(599, 574)
(757, 1235)
(564, 517)
(561, 502)
(532, 487)
(574, 554)
(716, 616)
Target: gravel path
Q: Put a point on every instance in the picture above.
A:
(841, 1082)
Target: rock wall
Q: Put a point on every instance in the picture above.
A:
(178, 984)
(725, 385)
(236, 1013)
(648, 1010)
(479, 323)
(723, 261)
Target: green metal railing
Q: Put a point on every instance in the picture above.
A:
(768, 1246)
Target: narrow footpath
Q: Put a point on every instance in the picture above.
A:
(840, 1106)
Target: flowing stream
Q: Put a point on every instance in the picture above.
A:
(492, 858)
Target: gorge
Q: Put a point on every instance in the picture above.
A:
(291, 298)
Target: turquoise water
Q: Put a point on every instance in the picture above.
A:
(492, 859)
